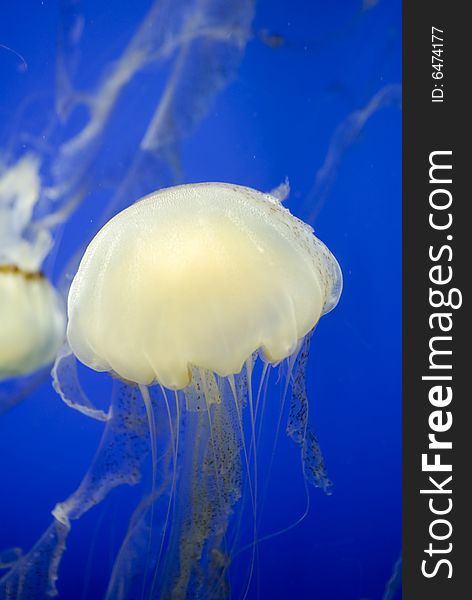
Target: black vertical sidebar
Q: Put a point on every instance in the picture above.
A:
(437, 258)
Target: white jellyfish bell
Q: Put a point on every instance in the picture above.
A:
(199, 276)
(32, 316)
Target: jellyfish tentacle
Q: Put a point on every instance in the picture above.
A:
(253, 500)
(262, 383)
(209, 486)
(289, 363)
(264, 396)
(130, 566)
(65, 381)
(230, 445)
(174, 440)
(153, 445)
(34, 574)
(152, 430)
(187, 544)
(249, 368)
(298, 427)
(119, 458)
(208, 402)
(117, 461)
(346, 134)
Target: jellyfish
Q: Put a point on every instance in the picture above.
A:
(32, 312)
(185, 291)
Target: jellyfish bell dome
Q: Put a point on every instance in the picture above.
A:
(32, 319)
(32, 314)
(198, 275)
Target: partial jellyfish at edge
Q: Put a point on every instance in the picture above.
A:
(32, 325)
(222, 286)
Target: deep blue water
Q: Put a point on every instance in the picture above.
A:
(323, 61)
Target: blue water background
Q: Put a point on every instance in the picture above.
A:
(276, 119)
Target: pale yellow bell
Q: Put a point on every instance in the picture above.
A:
(201, 275)
(32, 322)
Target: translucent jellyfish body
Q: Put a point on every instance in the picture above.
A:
(32, 315)
(32, 322)
(186, 289)
(198, 276)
